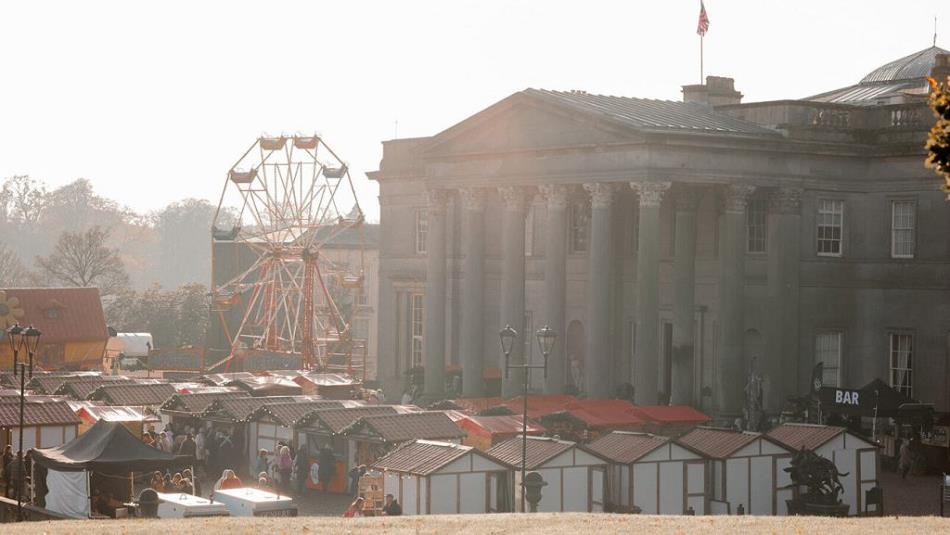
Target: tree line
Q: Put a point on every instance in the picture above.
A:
(153, 270)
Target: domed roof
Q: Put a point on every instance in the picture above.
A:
(916, 65)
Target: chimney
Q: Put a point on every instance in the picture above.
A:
(941, 68)
(717, 91)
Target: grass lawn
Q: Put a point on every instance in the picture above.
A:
(569, 523)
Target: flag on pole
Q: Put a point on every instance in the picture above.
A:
(703, 25)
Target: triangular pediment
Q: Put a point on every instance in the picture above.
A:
(523, 122)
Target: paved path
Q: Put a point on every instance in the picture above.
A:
(914, 496)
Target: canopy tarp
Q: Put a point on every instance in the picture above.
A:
(875, 398)
(107, 447)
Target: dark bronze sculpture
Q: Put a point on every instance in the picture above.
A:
(820, 477)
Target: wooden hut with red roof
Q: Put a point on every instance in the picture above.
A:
(71, 320)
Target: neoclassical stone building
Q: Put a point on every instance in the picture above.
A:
(674, 245)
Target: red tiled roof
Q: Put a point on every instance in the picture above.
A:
(718, 443)
(808, 436)
(336, 420)
(134, 394)
(499, 425)
(79, 314)
(422, 457)
(625, 447)
(671, 414)
(57, 413)
(540, 450)
(408, 426)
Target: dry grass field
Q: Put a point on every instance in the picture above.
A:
(539, 524)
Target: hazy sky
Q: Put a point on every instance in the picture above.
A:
(155, 101)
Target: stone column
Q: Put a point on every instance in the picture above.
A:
(473, 288)
(598, 365)
(555, 284)
(434, 333)
(781, 367)
(684, 294)
(512, 280)
(732, 367)
(647, 344)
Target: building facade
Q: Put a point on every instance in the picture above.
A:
(674, 246)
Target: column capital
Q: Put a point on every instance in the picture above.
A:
(515, 197)
(473, 198)
(735, 197)
(555, 194)
(601, 193)
(436, 199)
(687, 197)
(651, 193)
(786, 200)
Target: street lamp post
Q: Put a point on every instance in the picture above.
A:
(546, 338)
(20, 338)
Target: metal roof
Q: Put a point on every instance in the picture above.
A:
(423, 457)
(197, 403)
(916, 65)
(718, 443)
(808, 436)
(429, 425)
(287, 414)
(625, 447)
(651, 115)
(336, 420)
(134, 394)
(540, 450)
(57, 413)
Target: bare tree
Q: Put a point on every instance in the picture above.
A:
(22, 199)
(82, 259)
(12, 271)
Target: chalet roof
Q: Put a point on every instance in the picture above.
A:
(287, 414)
(424, 457)
(719, 443)
(240, 409)
(134, 394)
(649, 115)
(266, 385)
(56, 413)
(808, 436)
(196, 403)
(503, 425)
(540, 450)
(221, 379)
(336, 420)
(80, 388)
(428, 425)
(116, 413)
(671, 414)
(78, 317)
(625, 447)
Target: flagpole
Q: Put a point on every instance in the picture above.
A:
(700, 60)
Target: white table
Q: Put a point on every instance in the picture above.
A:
(180, 505)
(255, 502)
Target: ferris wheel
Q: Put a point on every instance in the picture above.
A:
(285, 200)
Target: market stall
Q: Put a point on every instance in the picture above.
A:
(653, 474)
(99, 463)
(430, 477)
(746, 469)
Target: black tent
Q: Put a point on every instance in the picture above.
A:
(875, 398)
(887, 399)
(109, 448)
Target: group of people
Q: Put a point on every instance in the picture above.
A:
(357, 508)
(183, 481)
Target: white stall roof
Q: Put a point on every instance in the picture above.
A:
(195, 504)
(253, 495)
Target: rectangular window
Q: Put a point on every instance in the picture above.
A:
(902, 363)
(830, 225)
(529, 232)
(416, 326)
(422, 230)
(828, 352)
(580, 227)
(756, 218)
(903, 221)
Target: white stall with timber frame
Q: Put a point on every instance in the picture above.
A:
(656, 474)
(854, 455)
(746, 469)
(576, 477)
(431, 477)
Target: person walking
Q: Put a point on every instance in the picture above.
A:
(302, 469)
(188, 446)
(905, 459)
(5, 460)
(201, 454)
(285, 465)
(355, 474)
